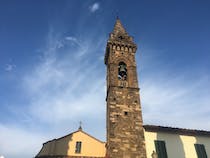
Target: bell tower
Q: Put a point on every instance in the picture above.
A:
(125, 134)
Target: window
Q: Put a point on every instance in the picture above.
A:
(200, 149)
(161, 149)
(120, 37)
(125, 113)
(78, 147)
(122, 71)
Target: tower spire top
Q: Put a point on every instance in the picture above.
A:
(118, 27)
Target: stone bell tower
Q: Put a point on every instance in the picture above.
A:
(125, 134)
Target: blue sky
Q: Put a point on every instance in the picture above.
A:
(52, 73)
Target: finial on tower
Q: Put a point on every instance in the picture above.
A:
(117, 14)
(80, 126)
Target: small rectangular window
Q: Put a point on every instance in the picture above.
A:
(200, 150)
(78, 147)
(160, 149)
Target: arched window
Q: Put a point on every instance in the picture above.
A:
(122, 71)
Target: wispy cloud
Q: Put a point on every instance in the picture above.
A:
(175, 106)
(70, 38)
(74, 40)
(67, 81)
(16, 147)
(94, 7)
(10, 67)
(173, 98)
(64, 87)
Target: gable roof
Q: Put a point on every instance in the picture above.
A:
(71, 134)
(173, 130)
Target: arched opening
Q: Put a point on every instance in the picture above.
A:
(122, 71)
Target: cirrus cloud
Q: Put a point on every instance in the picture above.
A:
(94, 7)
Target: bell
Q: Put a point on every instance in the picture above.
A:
(122, 68)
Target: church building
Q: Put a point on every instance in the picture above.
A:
(127, 137)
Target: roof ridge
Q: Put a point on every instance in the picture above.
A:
(177, 130)
(72, 134)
